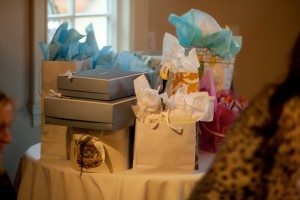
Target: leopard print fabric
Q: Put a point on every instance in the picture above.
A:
(249, 166)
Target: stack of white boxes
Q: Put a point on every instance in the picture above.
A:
(96, 103)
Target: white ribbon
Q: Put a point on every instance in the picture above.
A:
(52, 92)
(178, 129)
(69, 74)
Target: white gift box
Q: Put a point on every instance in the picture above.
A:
(100, 84)
(90, 114)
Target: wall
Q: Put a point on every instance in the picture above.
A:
(268, 27)
(15, 73)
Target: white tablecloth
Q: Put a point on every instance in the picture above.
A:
(54, 179)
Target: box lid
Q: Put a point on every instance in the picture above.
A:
(90, 125)
(102, 84)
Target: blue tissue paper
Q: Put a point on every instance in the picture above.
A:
(106, 58)
(65, 45)
(197, 28)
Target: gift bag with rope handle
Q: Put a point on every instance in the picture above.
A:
(54, 139)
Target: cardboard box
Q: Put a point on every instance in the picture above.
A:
(100, 84)
(91, 114)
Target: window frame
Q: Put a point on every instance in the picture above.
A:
(110, 16)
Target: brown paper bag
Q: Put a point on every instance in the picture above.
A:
(54, 139)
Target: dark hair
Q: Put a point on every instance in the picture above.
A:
(5, 99)
(289, 88)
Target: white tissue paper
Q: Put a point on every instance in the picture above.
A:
(198, 106)
(178, 69)
(174, 53)
(165, 134)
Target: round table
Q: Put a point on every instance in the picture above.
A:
(54, 179)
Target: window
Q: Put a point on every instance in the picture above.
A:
(79, 13)
(126, 23)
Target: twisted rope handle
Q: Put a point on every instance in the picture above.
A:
(212, 132)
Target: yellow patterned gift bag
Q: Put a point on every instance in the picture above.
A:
(181, 79)
(222, 68)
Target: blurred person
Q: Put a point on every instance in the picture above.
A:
(6, 116)
(260, 157)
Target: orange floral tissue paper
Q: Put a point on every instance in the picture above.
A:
(179, 70)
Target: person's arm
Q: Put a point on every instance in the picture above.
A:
(237, 170)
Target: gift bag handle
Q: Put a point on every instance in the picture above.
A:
(212, 132)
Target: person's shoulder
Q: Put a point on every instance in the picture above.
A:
(262, 98)
(266, 92)
(6, 188)
(292, 105)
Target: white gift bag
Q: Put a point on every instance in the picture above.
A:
(163, 150)
(100, 151)
(54, 139)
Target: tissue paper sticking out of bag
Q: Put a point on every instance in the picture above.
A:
(197, 28)
(149, 106)
(126, 61)
(154, 109)
(65, 45)
(106, 58)
(178, 69)
(129, 62)
(198, 105)
(174, 53)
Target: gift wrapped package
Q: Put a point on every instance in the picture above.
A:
(222, 68)
(101, 84)
(64, 54)
(216, 47)
(165, 131)
(90, 114)
(177, 68)
(177, 80)
(100, 151)
(227, 109)
(163, 150)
